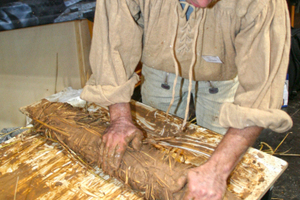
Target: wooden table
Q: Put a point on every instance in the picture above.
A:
(32, 167)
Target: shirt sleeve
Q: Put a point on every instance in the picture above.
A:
(115, 52)
(262, 47)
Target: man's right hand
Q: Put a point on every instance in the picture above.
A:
(118, 136)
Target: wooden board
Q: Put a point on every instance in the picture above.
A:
(254, 175)
(34, 168)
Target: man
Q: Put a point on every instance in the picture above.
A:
(234, 53)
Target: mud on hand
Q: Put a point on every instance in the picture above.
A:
(116, 138)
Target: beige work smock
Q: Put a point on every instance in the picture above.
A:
(245, 38)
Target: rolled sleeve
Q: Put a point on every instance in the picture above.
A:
(107, 95)
(115, 52)
(262, 47)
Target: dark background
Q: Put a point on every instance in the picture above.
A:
(24, 13)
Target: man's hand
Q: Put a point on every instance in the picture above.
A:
(115, 141)
(205, 183)
(118, 135)
(209, 180)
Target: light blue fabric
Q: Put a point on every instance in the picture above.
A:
(207, 105)
(189, 11)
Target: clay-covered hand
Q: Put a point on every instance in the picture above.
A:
(118, 135)
(205, 183)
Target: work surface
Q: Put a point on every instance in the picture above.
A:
(33, 167)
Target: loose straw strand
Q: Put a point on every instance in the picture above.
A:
(16, 188)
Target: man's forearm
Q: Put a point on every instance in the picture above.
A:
(120, 110)
(208, 181)
(232, 147)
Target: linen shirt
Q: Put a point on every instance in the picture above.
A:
(245, 38)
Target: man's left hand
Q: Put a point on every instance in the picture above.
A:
(208, 181)
(205, 183)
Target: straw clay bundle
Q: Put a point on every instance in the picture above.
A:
(154, 170)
